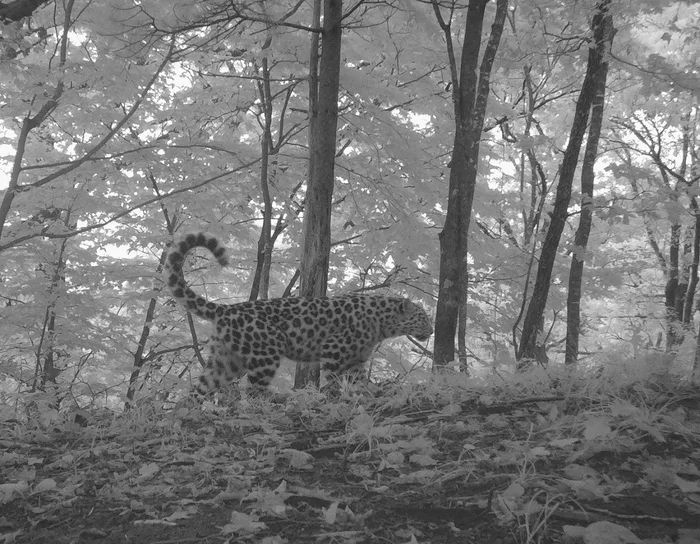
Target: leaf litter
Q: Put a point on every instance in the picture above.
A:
(441, 466)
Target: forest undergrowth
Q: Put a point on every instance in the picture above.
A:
(525, 459)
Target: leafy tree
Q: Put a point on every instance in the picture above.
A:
(531, 347)
(667, 153)
(470, 88)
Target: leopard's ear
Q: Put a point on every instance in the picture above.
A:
(405, 306)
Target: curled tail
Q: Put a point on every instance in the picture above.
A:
(190, 300)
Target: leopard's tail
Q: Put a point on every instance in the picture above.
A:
(175, 277)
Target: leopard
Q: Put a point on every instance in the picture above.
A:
(339, 332)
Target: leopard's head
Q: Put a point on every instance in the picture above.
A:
(415, 321)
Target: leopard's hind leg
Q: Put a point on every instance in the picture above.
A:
(224, 366)
(262, 349)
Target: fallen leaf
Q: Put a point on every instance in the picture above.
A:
(596, 428)
(686, 486)
(181, 514)
(606, 532)
(451, 410)
(149, 470)
(45, 485)
(420, 477)
(331, 513)
(395, 458)
(299, 459)
(7, 491)
(422, 460)
(513, 491)
(243, 523)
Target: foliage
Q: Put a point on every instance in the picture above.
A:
(123, 122)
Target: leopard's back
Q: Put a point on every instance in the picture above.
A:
(309, 324)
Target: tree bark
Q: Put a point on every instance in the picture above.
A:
(531, 347)
(603, 35)
(695, 373)
(695, 265)
(48, 351)
(673, 331)
(470, 95)
(316, 244)
(261, 279)
(679, 295)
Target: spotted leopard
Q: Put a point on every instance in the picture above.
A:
(339, 332)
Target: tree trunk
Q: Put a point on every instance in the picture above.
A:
(171, 223)
(680, 289)
(139, 358)
(261, 279)
(693, 284)
(470, 95)
(48, 353)
(532, 212)
(531, 347)
(695, 374)
(603, 36)
(316, 244)
(673, 329)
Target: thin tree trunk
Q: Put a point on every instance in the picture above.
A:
(261, 279)
(604, 34)
(679, 302)
(139, 358)
(673, 332)
(531, 347)
(692, 287)
(470, 95)
(47, 369)
(532, 215)
(695, 374)
(316, 244)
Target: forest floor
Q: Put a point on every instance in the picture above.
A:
(445, 462)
